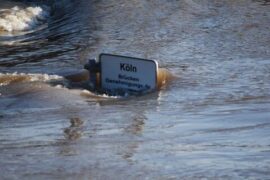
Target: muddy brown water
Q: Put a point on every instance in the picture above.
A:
(212, 121)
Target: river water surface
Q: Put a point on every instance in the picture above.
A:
(212, 121)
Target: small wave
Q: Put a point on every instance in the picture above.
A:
(9, 78)
(54, 80)
(237, 129)
(89, 94)
(21, 19)
(16, 83)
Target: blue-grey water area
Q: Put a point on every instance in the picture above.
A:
(211, 121)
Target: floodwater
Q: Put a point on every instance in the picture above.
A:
(212, 121)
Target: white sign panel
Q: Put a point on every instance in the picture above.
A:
(120, 72)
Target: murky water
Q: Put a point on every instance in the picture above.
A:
(210, 122)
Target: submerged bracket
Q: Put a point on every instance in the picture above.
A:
(93, 68)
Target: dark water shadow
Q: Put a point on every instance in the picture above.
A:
(263, 2)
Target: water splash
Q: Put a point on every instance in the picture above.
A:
(10, 78)
(21, 19)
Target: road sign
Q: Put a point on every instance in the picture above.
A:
(128, 73)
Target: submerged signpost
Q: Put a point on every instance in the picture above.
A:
(116, 74)
(127, 73)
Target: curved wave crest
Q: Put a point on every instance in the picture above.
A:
(20, 19)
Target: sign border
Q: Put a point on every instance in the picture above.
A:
(121, 56)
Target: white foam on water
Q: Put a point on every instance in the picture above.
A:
(95, 95)
(20, 19)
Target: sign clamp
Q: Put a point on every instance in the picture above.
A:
(93, 68)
